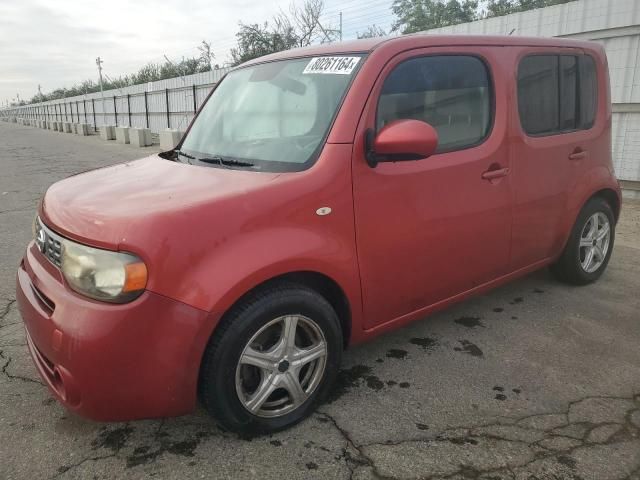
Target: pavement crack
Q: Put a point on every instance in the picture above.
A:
(517, 444)
(7, 308)
(66, 468)
(352, 462)
(7, 361)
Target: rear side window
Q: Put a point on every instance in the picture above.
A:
(588, 91)
(556, 93)
(452, 93)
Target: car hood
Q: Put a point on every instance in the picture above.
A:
(105, 207)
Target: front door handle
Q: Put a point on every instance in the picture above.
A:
(578, 154)
(493, 174)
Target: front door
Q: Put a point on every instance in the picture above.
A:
(433, 228)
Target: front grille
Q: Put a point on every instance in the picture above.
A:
(49, 243)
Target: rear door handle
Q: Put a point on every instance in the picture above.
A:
(497, 173)
(578, 154)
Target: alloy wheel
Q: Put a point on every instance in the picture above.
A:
(594, 242)
(281, 366)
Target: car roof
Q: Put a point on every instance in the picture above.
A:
(417, 40)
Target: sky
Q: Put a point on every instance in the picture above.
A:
(54, 43)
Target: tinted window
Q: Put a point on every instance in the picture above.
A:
(556, 93)
(568, 91)
(451, 93)
(588, 91)
(538, 94)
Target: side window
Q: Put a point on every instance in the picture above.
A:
(588, 91)
(538, 94)
(452, 93)
(556, 93)
(568, 92)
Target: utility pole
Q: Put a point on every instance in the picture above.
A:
(99, 63)
(40, 92)
(340, 26)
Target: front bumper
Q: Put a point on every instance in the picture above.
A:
(110, 362)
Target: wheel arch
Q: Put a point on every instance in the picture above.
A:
(323, 284)
(607, 193)
(611, 197)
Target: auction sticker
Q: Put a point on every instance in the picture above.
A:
(331, 65)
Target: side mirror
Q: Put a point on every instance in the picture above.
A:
(399, 141)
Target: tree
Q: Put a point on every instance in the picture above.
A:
(299, 27)
(255, 41)
(206, 56)
(419, 15)
(151, 72)
(497, 8)
(372, 31)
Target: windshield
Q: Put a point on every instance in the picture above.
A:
(272, 117)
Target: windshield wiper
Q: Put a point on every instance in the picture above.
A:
(185, 155)
(225, 162)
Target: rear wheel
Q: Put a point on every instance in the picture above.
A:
(272, 360)
(590, 244)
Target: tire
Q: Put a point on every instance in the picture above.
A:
(229, 388)
(572, 267)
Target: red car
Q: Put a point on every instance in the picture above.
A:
(321, 197)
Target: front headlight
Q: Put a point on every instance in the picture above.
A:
(101, 274)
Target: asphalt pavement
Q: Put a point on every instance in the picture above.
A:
(535, 380)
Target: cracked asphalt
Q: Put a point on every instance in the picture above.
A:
(535, 380)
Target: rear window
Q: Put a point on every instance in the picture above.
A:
(556, 93)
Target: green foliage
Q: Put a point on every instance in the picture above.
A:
(299, 27)
(419, 15)
(497, 8)
(255, 41)
(151, 72)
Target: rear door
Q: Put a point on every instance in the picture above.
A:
(554, 111)
(430, 229)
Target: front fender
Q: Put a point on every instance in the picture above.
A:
(254, 259)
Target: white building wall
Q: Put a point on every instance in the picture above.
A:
(613, 23)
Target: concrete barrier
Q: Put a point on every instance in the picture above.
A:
(140, 137)
(122, 134)
(107, 132)
(169, 138)
(82, 129)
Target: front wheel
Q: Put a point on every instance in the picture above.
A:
(590, 244)
(272, 360)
